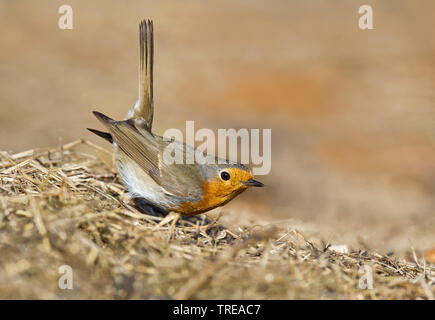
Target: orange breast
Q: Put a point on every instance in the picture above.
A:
(215, 195)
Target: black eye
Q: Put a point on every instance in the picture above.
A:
(225, 176)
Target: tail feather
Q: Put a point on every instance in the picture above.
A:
(144, 106)
(105, 135)
(102, 117)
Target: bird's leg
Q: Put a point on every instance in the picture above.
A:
(145, 207)
(200, 219)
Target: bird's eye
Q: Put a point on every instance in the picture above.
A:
(225, 175)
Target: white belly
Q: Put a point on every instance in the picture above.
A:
(140, 184)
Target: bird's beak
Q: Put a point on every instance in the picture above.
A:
(253, 183)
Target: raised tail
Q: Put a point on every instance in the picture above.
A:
(144, 107)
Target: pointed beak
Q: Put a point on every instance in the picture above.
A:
(253, 183)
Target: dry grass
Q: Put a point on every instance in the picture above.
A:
(62, 207)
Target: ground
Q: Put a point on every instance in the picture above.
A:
(64, 207)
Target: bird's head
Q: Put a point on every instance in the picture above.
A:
(228, 180)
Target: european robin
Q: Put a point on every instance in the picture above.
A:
(154, 183)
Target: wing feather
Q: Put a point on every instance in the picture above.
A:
(147, 150)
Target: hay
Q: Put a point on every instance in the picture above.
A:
(64, 207)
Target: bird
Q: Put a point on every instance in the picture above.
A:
(154, 184)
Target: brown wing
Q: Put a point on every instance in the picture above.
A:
(182, 180)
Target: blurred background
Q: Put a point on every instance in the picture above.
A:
(352, 112)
